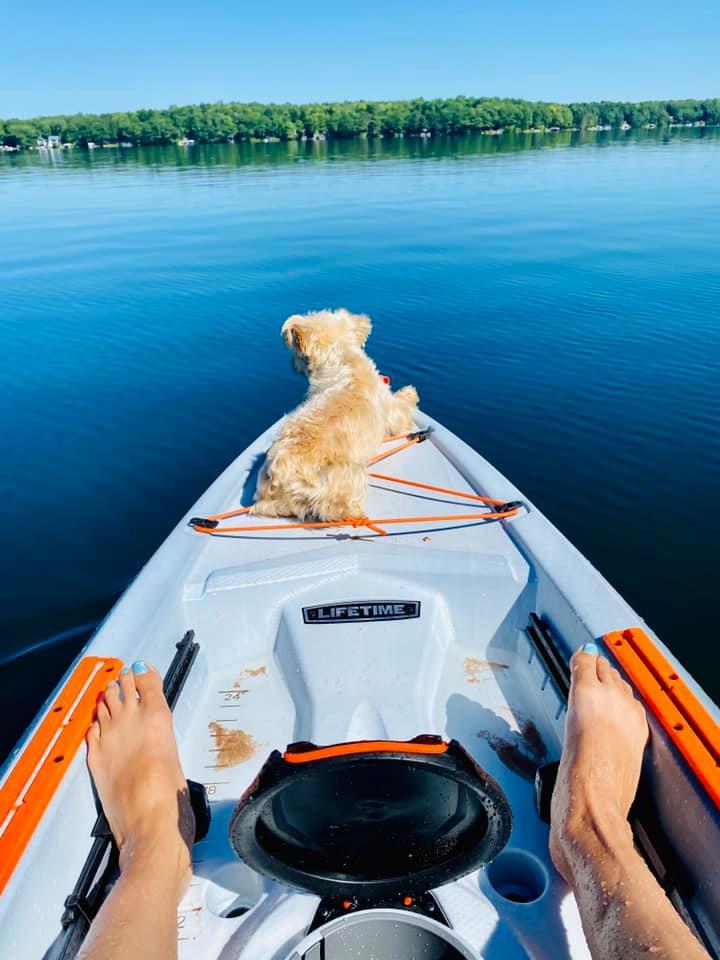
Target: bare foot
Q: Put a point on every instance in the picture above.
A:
(605, 736)
(134, 762)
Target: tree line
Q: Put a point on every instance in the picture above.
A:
(223, 122)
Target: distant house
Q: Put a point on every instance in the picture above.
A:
(185, 142)
(91, 145)
(51, 142)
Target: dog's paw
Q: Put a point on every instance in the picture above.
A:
(264, 508)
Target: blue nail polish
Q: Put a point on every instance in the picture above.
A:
(591, 648)
(139, 667)
(125, 670)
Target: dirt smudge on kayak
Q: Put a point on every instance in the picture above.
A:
(475, 668)
(522, 752)
(249, 674)
(232, 747)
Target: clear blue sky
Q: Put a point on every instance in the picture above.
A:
(90, 55)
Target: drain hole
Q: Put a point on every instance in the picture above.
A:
(236, 909)
(517, 876)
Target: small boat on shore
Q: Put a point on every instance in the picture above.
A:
(371, 714)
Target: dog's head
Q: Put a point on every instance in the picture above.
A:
(325, 337)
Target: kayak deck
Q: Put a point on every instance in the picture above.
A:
(430, 639)
(464, 669)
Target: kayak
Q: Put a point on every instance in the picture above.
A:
(370, 715)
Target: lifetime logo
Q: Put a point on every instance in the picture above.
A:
(362, 611)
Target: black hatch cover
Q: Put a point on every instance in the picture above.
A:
(371, 818)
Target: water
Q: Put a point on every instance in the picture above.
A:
(555, 301)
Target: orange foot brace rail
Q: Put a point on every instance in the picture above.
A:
(504, 511)
(683, 717)
(40, 768)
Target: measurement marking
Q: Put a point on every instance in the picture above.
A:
(234, 690)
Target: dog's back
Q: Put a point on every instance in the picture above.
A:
(317, 466)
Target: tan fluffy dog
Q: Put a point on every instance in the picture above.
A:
(317, 466)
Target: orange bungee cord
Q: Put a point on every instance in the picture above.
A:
(503, 510)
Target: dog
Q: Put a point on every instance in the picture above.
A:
(316, 468)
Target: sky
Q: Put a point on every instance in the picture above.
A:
(90, 56)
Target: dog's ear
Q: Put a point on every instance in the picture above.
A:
(362, 327)
(294, 334)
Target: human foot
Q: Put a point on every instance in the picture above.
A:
(605, 736)
(134, 762)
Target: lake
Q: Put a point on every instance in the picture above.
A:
(555, 299)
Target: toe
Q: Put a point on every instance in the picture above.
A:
(103, 715)
(148, 684)
(92, 737)
(607, 673)
(127, 685)
(112, 697)
(583, 664)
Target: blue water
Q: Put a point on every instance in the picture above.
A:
(555, 300)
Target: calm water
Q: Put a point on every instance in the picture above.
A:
(555, 301)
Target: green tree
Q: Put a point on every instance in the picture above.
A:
(21, 133)
(220, 122)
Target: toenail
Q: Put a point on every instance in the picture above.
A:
(591, 648)
(125, 670)
(140, 667)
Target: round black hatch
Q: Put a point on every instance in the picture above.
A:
(371, 818)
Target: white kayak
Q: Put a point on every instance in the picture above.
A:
(433, 661)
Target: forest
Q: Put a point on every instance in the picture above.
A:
(235, 122)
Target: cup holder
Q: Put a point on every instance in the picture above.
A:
(233, 890)
(517, 876)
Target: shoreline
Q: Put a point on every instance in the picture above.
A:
(90, 146)
(239, 122)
